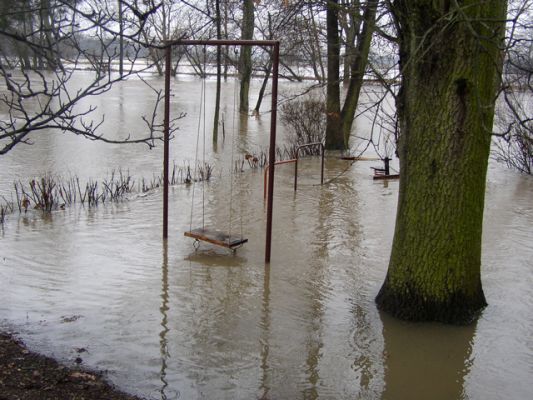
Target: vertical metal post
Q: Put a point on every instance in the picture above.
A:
(296, 172)
(322, 164)
(166, 139)
(272, 152)
(386, 162)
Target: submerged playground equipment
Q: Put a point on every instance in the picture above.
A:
(212, 235)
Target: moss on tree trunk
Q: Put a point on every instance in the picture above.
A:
(450, 59)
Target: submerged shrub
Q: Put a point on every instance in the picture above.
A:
(305, 120)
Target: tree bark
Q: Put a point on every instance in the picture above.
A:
(246, 53)
(334, 137)
(450, 58)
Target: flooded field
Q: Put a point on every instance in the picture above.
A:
(168, 321)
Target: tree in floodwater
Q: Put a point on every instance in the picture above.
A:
(22, 19)
(514, 138)
(340, 120)
(334, 138)
(245, 62)
(450, 60)
(218, 24)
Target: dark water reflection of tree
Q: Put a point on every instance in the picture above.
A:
(411, 351)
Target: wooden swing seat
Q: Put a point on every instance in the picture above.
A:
(216, 237)
(380, 174)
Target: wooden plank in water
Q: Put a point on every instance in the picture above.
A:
(216, 237)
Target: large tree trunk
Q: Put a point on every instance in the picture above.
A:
(451, 62)
(246, 53)
(334, 138)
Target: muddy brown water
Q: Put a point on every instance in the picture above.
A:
(167, 321)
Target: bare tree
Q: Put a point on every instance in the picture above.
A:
(66, 34)
(514, 135)
(340, 119)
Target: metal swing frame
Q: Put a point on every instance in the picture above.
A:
(275, 45)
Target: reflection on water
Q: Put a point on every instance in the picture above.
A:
(426, 361)
(164, 322)
(264, 338)
(167, 320)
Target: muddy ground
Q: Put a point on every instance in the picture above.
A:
(25, 375)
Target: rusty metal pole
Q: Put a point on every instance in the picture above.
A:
(296, 172)
(272, 151)
(166, 140)
(322, 164)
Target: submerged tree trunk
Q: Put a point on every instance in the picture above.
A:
(450, 56)
(155, 56)
(219, 71)
(246, 53)
(226, 48)
(268, 71)
(334, 138)
(339, 123)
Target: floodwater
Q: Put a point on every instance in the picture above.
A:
(167, 322)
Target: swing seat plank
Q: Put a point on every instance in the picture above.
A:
(216, 237)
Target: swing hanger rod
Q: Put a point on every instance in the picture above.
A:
(275, 44)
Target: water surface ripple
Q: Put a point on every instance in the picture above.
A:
(164, 319)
